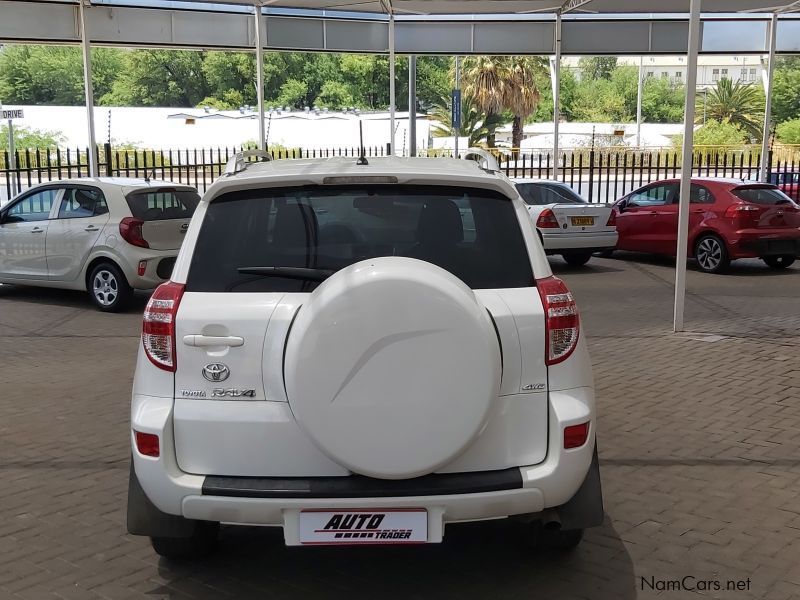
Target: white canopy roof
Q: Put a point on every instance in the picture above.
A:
(483, 7)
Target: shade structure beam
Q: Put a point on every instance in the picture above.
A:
(763, 172)
(258, 23)
(392, 91)
(88, 89)
(686, 166)
(555, 75)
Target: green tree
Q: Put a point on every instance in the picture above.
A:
(662, 102)
(476, 125)
(739, 104)
(160, 78)
(334, 95)
(788, 132)
(521, 92)
(716, 135)
(27, 138)
(231, 78)
(785, 86)
(292, 93)
(597, 67)
(53, 74)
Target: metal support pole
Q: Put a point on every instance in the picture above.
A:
(391, 85)
(555, 75)
(763, 172)
(457, 130)
(87, 86)
(12, 159)
(686, 167)
(639, 103)
(259, 23)
(412, 105)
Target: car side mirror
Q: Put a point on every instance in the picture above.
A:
(621, 206)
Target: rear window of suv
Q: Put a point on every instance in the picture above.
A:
(473, 233)
(162, 204)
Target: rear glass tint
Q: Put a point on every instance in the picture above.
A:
(762, 195)
(538, 194)
(474, 234)
(158, 205)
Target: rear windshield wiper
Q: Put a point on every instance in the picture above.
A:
(302, 273)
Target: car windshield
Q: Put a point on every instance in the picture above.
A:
(475, 234)
(544, 193)
(161, 204)
(762, 195)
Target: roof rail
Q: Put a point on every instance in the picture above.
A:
(481, 156)
(239, 162)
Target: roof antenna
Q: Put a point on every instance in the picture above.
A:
(362, 160)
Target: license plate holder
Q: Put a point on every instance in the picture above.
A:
(582, 221)
(350, 526)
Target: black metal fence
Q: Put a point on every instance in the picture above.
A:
(600, 175)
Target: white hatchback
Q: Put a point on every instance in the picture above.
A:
(108, 236)
(361, 354)
(567, 224)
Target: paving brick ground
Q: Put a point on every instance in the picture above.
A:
(699, 447)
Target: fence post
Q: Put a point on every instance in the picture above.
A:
(107, 154)
(591, 173)
(769, 165)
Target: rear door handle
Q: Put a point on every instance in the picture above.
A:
(90, 228)
(37, 230)
(212, 340)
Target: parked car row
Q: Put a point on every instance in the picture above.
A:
(110, 236)
(728, 219)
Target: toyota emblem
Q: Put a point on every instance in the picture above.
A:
(216, 372)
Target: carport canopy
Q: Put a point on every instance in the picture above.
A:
(507, 14)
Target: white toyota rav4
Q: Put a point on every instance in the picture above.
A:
(361, 354)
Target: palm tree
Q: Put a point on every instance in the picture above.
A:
(500, 83)
(485, 80)
(740, 104)
(476, 125)
(521, 94)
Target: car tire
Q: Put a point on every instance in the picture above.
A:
(711, 254)
(577, 260)
(782, 261)
(202, 542)
(108, 288)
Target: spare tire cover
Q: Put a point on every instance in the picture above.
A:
(391, 366)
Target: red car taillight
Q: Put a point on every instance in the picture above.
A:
(547, 220)
(612, 219)
(743, 215)
(158, 325)
(562, 324)
(575, 435)
(131, 231)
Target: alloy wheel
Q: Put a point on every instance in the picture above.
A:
(105, 287)
(709, 253)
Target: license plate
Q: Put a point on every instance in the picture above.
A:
(364, 526)
(582, 221)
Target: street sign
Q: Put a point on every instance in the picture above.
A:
(7, 115)
(455, 111)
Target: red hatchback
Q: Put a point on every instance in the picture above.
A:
(728, 219)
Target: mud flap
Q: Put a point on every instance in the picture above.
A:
(145, 519)
(585, 508)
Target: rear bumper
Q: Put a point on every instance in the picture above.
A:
(771, 245)
(447, 498)
(158, 266)
(556, 243)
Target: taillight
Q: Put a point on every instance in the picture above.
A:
(547, 220)
(575, 435)
(562, 324)
(612, 219)
(158, 326)
(147, 444)
(743, 215)
(131, 231)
